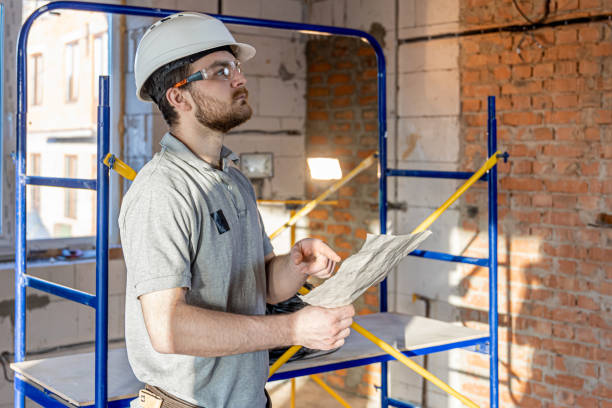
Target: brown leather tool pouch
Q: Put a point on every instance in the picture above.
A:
(149, 400)
(154, 397)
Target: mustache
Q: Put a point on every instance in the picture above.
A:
(240, 92)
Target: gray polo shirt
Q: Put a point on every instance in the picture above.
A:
(186, 224)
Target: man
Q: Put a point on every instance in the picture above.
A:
(200, 267)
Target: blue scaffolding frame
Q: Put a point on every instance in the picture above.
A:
(99, 301)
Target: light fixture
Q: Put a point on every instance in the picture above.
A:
(324, 168)
(257, 165)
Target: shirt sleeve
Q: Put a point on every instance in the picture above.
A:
(155, 236)
(267, 245)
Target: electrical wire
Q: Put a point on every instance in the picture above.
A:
(538, 21)
(514, 28)
(4, 360)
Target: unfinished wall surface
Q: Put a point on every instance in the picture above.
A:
(12, 23)
(554, 114)
(427, 138)
(276, 81)
(342, 122)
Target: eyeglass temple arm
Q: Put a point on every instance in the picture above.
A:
(193, 77)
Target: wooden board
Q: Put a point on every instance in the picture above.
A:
(404, 332)
(72, 377)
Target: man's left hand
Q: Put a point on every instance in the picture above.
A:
(314, 258)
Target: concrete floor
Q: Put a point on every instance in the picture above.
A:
(310, 395)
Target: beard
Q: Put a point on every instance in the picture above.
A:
(221, 116)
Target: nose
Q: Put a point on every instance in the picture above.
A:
(239, 80)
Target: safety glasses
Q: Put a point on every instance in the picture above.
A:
(219, 71)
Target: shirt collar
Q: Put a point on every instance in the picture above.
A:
(176, 147)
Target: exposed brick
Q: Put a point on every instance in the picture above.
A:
(319, 67)
(591, 33)
(502, 72)
(338, 79)
(521, 118)
(603, 49)
(603, 117)
(521, 184)
(344, 65)
(566, 186)
(521, 71)
(562, 117)
(559, 150)
(344, 115)
(561, 85)
(543, 70)
(341, 102)
(565, 101)
(543, 134)
(317, 91)
(318, 139)
(318, 115)
(567, 36)
(344, 90)
(319, 214)
(338, 229)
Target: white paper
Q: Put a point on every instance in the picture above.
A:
(369, 266)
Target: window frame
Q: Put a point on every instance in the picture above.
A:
(71, 81)
(71, 164)
(7, 144)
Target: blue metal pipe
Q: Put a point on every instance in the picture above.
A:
(60, 290)
(61, 182)
(376, 359)
(400, 404)
(20, 239)
(102, 245)
(441, 256)
(493, 318)
(42, 397)
(459, 175)
(102, 187)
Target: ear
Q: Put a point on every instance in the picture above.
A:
(179, 99)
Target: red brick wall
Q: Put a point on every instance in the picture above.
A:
(342, 123)
(555, 116)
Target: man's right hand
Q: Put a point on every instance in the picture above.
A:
(320, 328)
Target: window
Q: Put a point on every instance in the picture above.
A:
(71, 66)
(37, 79)
(66, 51)
(34, 170)
(100, 60)
(70, 194)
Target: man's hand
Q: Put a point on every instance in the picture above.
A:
(320, 328)
(314, 258)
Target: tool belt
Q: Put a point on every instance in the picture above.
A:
(154, 397)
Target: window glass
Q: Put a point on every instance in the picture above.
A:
(67, 51)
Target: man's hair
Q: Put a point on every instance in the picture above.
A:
(167, 75)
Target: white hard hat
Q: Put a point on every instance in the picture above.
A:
(181, 35)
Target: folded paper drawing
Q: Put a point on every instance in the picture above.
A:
(369, 266)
